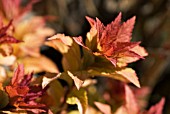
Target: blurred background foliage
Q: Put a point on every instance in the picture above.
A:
(152, 28)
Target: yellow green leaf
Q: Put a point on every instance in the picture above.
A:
(78, 97)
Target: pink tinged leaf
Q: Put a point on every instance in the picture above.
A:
(65, 39)
(112, 60)
(127, 57)
(130, 75)
(77, 81)
(100, 29)
(125, 46)
(157, 109)
(91, 21)
(112, 30)
(125, 31)
(130, 54)
(18, 75)
(131, 103)
(79, 41)
(104, 108)
(139, 50)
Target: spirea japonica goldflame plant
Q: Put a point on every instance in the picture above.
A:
(113, 41)
(106, 52)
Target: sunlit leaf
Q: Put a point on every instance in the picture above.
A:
(77, 81)
(129, 74)
(125, 74)
(104, 108)
(3, 74)
(89, 82)
(78, 97)
(70, 50)
(113, 41)
(35, 64)
(47, 80)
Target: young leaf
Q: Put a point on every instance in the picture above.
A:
(22, 94)
(113, 41)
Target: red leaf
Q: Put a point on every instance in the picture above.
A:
(8, 39)
(18, 75)
(125, 31)
(113, 41)
(21, 93)
(110, 31)
(4, 37)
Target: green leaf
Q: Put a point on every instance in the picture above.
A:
(56, 92)
(78, 97)
(4, 100)
(88, 58)
(72, 59)
(70, 50)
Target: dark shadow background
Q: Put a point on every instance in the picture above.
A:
(152, 28)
